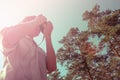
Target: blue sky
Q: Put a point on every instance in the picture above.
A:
(64, 14)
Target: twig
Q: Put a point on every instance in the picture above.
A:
(114, 50)
(87, 69)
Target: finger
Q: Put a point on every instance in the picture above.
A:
(42, 17)
(49, 23)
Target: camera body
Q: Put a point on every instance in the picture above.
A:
(42, 27)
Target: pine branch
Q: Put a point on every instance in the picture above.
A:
(88, 70)
(114, 50)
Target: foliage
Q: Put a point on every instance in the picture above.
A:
(83, 58)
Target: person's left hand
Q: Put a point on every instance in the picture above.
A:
(47, 28)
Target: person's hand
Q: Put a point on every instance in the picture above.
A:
(47, 29)
(40, 19)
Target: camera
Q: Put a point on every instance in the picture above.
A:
(41, 28)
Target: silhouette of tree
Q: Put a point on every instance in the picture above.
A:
(82, 57)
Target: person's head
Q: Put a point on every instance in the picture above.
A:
(28, 19)
(38, 19)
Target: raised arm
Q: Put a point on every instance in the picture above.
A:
(50, 58)
(30, 28)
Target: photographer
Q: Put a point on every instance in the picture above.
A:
(24, 60)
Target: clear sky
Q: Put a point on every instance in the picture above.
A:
(64, 14)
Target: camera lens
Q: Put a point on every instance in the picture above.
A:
(41, 28)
